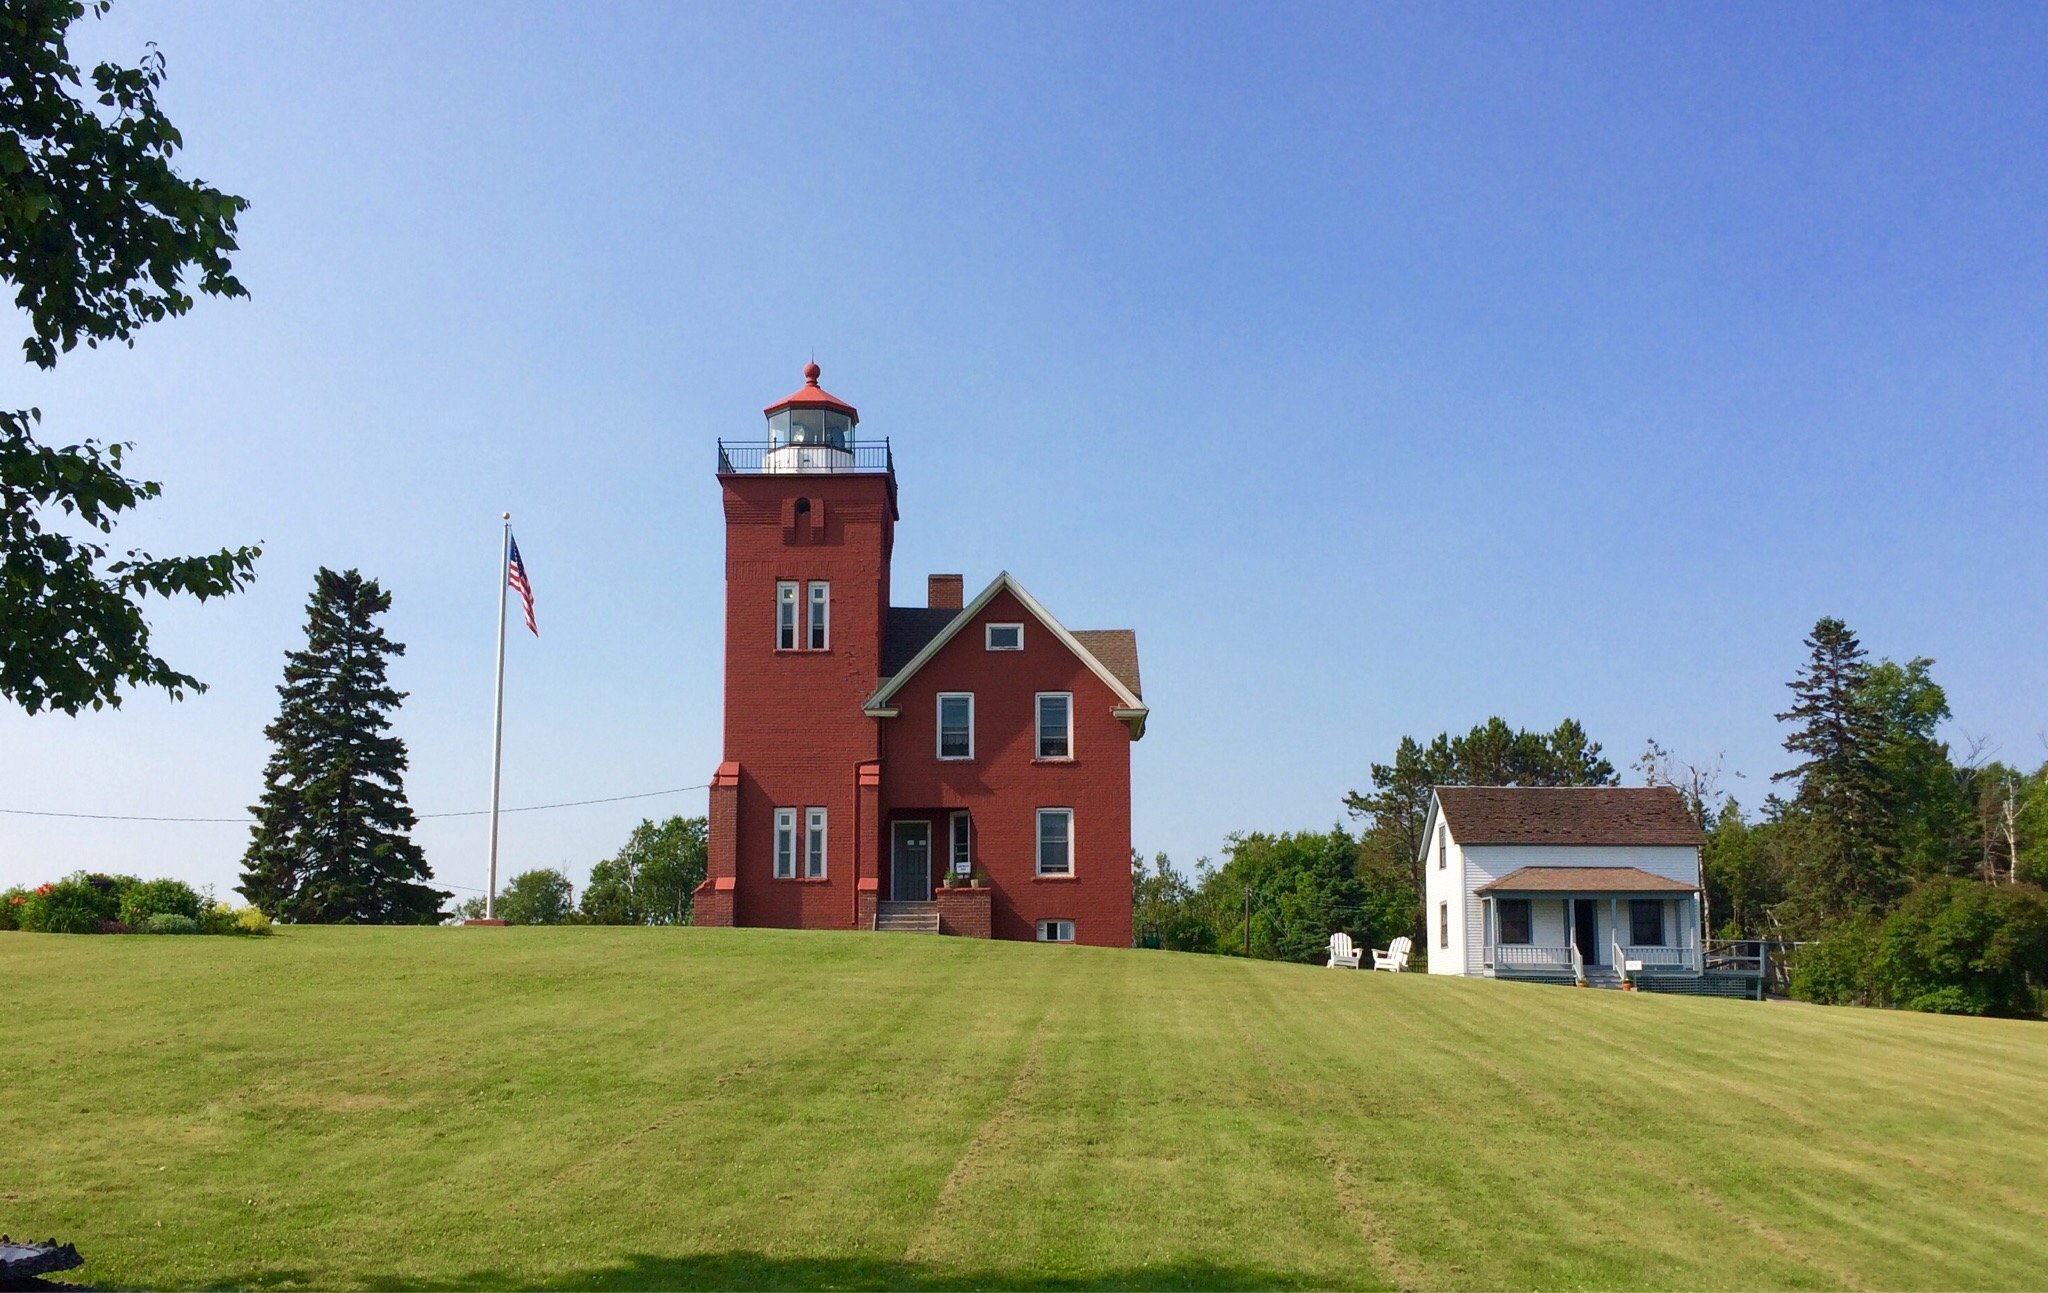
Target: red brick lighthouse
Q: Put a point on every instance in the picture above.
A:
(961, 766)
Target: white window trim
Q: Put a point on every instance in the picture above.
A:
(1038, 843)
(1038, 726)
(785, 607)
(988, 637)
(1443, 846)
(1443, 925)
(959, 832)
(785, 833)
(939, 734)
(816, 835)
(1055, 923)
(819, 628)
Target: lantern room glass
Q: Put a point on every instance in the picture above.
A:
(810, 427)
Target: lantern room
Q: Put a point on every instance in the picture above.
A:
(810, 429)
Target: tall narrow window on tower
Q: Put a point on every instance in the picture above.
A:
(814, 844)
(785, 844)
(785, 615)
(821, 615)
(956, 724)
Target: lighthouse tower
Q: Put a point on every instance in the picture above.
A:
(810, 517)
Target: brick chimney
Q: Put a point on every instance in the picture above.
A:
(945, 592)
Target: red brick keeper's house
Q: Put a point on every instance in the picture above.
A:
(873, 751)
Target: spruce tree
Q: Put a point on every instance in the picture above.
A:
(1842, 784)
(332, 842)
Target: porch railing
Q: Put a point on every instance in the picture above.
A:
(1531, 956)
(1662, 958)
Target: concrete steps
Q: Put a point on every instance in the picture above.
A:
(907, 917)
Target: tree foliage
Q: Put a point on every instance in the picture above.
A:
(332, 841)
(539, 897)
(1953, 946)
(98, 236)
(649, 881)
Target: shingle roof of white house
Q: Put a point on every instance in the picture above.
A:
(1595, 815)
(1584, 879)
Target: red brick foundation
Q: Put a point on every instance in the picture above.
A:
(864, 905)
(964, 912)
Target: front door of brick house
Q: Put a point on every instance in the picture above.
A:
(910, 865)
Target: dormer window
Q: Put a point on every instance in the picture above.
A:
(1004, 637)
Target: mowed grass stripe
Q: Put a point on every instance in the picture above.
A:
(629, 1108)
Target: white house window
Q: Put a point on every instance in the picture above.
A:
(785, 844)
(1443, 924)
(956, 724)
(1004, 637)
(1055, 931)
(1516, 921)
(814, 843)
(1646, 922)
(785, 615)
(1055, 725)
(1055, 841)
(1443, 846)
(963, 845)
(821, 615)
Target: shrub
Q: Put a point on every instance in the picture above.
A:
(114, 927)
(217, 919)
(77, 904)
(1839, 969)
(147, 898)
(167, 922)
(251, 920)
(1962, 947)
(11, 903)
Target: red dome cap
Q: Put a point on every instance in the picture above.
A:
(813, 396)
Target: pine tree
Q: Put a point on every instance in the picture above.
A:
(332, 842)
(1842, 781)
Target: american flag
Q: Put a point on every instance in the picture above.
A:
(515, 575)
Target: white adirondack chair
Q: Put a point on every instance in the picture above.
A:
(1343, 954)
(1395, 958)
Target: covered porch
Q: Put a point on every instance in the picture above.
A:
(1590, 925)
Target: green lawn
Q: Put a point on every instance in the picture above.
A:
(479, 1108)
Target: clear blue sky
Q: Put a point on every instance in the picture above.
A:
(1384, 368)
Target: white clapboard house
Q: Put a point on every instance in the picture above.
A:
(1589, 884)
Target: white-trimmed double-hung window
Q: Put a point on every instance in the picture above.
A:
(1055, 841)
(956, 724)
(1055, 725)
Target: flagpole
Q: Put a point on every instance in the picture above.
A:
(498, 717)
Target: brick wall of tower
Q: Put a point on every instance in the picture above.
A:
(793, 720)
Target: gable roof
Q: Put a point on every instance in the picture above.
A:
(1117, 649)
(1122, 644)
(908, 631)
(1585, 879)
(1586, 815)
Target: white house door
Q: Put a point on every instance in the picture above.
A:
(910, 865)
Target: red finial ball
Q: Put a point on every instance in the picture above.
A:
(812, 372)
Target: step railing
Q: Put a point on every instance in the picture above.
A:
(1578, 963)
